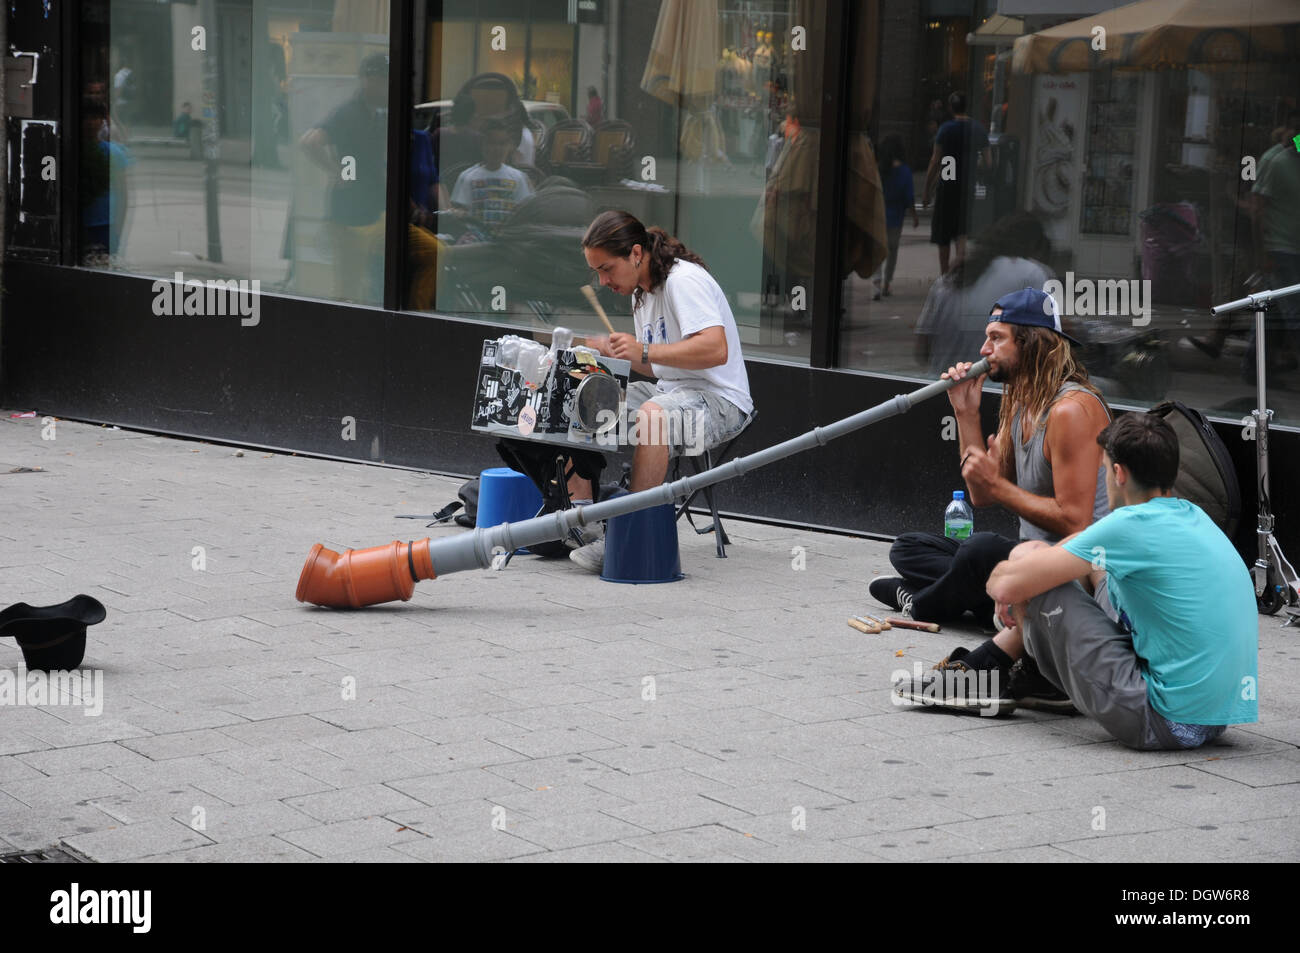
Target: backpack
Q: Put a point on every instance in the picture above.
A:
(468, 494)
(1206, 475)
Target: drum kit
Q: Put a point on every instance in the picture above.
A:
(565, 395)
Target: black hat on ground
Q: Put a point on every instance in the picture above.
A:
(52, 637)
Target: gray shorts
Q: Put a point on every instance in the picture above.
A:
(1079, 648)
(697, 420)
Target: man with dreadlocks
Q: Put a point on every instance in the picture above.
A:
(1043, 464)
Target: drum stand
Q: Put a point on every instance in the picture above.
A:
(1276, 582)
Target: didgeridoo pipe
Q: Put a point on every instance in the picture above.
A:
(367, 577)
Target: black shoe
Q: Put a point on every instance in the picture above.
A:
(1031, 689)
(954, 686)
(890, 591)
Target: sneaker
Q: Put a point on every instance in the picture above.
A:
(1031, 689)
(590, 557)
(890, 591)
(954, 686)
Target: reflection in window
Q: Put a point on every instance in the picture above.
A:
(700, 117)
(237, 141)
(1148, 192)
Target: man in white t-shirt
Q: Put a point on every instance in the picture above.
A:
(684, 335)
(490, 190)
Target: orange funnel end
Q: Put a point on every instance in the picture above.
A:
(363, 577)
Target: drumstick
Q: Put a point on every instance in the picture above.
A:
(913, 624)
(590, 292)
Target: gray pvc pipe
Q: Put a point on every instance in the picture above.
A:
(474, 550)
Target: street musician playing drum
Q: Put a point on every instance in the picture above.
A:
(684, 336)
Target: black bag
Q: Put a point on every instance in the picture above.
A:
(1206, 475)
(537, 461)
(468, 494)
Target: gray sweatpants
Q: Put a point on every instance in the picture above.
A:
(1084, 652)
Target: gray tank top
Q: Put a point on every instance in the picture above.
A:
(1034, 473)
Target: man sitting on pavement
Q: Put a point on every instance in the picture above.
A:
(1043, 464)
(1164, 653)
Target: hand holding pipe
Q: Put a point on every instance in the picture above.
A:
(387, 573)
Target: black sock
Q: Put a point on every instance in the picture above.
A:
(989, 656)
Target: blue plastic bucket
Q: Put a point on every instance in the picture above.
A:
(641, 547)
(506, 496)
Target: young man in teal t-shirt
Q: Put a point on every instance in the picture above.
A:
(1164, 652)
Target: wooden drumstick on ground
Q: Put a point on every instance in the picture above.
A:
(912, 624)
(590, 292)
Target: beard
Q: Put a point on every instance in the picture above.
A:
(1001, 374)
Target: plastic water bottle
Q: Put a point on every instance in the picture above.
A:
(958, 520)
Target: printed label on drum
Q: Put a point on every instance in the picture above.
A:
(527, 419)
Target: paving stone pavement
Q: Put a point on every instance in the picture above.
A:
(536, 714)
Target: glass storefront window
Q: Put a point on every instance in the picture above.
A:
(237, 141)
(701, 117)
(1150, 180)
(986, 146)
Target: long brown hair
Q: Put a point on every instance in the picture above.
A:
(1046, 362)
(617, 231)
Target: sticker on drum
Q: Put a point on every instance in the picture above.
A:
(527, 420)
(597, 402)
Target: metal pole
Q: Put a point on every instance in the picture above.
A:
(1264, 524)
(475, 550)
(1254, 301)
(1264, 564)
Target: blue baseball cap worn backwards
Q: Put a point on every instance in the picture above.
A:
(1032, 308)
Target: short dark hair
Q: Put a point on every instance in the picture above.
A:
(1147, 447)
(957, 103)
